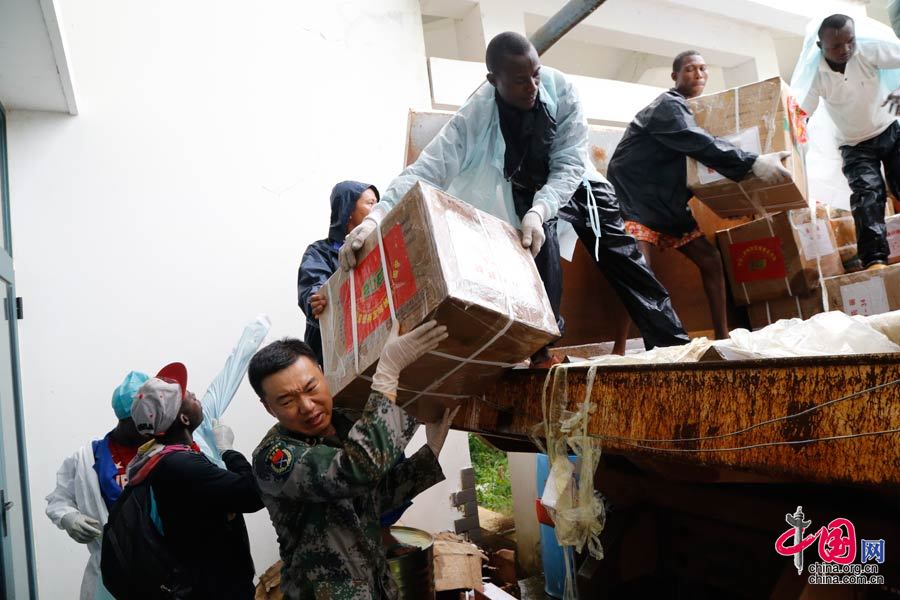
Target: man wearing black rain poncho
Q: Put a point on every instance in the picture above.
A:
(649, 172)
(351, 202)
(517, 149)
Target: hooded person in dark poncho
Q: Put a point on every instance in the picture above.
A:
(351, 202)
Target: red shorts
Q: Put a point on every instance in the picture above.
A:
(662, 241)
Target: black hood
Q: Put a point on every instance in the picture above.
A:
(343, 200)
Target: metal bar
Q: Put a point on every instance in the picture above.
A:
(570, 15)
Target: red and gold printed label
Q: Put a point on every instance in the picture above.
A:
(757, 260)
(797, 118)
(371, 294)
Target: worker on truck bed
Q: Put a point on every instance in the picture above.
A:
(517, 149)
(848, 76)
(351, 202)
(649, 172)
(326, 475)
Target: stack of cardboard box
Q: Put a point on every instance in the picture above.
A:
(865, 293)
(772, 265)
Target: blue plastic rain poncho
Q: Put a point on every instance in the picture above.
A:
(466, 158)
(223, 388)
(893, 7)
(823, 161)
(320, 260)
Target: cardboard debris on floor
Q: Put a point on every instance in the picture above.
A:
(447, 261)
(269, 586)
(761, 117)
(457, 563)
(865, 293)
(775, 257)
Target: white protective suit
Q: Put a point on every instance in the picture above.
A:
(466, 158)
(77, 484)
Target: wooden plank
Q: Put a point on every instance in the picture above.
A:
(678, 401)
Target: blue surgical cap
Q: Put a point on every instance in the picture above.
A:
(123, 395)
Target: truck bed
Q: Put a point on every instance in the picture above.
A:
(700, 400)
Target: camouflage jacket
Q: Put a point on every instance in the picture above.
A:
(325, 496)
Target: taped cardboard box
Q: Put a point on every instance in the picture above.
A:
(446, 261)
(775, 257)
(893, 236)
(845, 237)
(865, 293)
(761, 117)
(795, 307)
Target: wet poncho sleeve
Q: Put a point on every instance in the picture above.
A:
(567, 153)
(440, 161)
(673, 126)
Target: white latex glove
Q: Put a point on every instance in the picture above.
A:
(768, 167)
(354, 241)
(436, 433)
(533, 230)
(223, 434)
(400, 351)
(81, 527)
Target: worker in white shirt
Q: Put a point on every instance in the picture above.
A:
(849, 77)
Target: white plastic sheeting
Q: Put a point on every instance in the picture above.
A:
(826, 334)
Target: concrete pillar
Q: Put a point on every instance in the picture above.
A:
(523, 478)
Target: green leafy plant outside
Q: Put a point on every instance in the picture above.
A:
(492, 484)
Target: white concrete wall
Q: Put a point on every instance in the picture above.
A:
(176, 206)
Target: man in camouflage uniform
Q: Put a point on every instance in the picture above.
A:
(326, 478)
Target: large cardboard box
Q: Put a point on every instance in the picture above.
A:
(446, 261)
(865, 293)
(795, 307)
(775, 257)
(761, 117)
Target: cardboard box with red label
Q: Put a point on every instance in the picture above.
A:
(775, 257)
(761, 118)
(447, 261)
(893, 236)
(865, 293)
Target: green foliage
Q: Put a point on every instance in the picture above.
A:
(491, 476)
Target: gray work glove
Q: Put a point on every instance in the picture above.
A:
(768, 167)
(400, 351)
(223, 434)
(533, 229)
(436, 433)
(80, 527)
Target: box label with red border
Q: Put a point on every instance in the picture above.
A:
(757, 260)
(371, 294)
